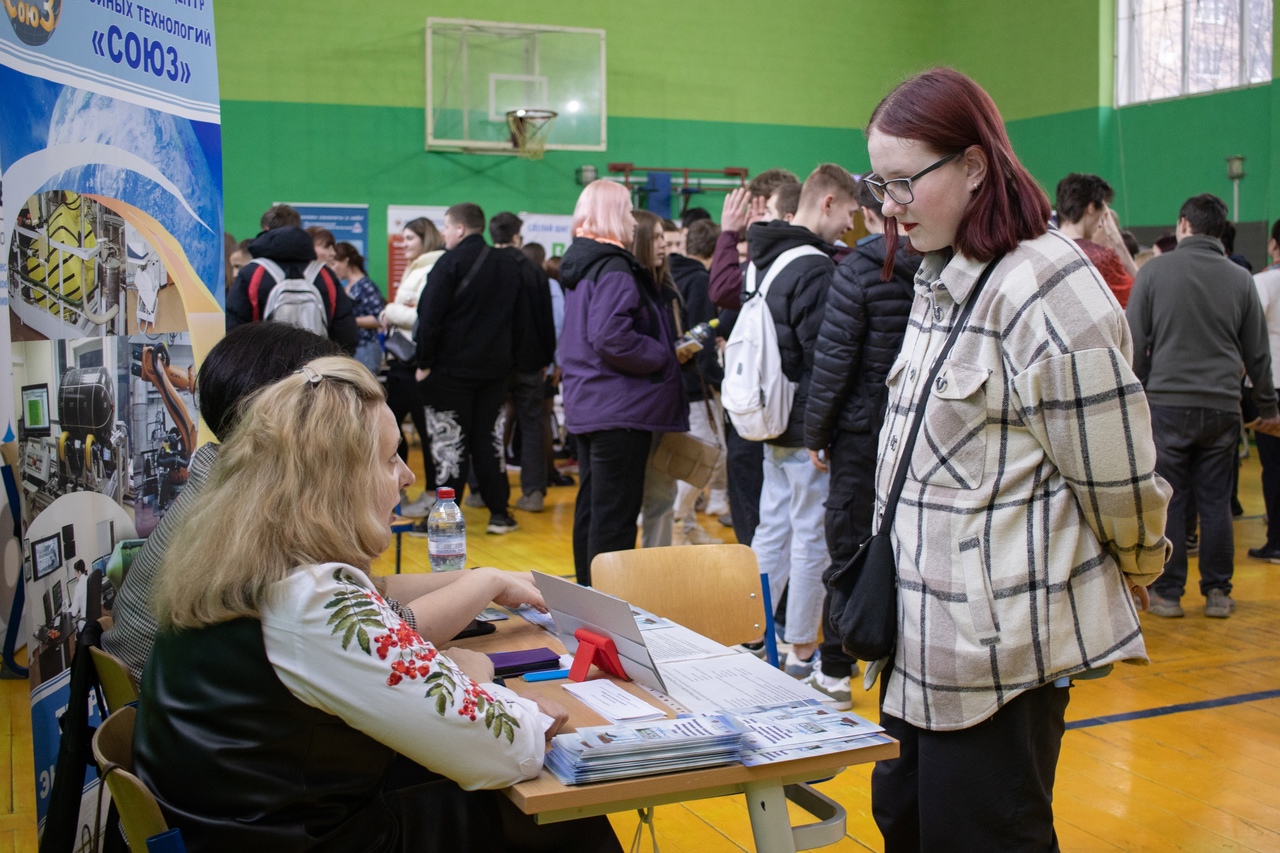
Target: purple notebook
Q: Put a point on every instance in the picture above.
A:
(518, 663)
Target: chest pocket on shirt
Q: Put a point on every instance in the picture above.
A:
(951, 449)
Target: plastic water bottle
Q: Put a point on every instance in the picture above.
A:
(446, 534)
(698, 337)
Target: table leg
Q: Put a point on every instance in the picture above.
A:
(398, 535)
(770, 823)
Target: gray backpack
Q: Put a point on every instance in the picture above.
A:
(296, 301)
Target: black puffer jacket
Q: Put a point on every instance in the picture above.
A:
(858, 342)
(795, 300)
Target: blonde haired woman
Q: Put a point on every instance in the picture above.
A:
(313, 716)
(422, 246)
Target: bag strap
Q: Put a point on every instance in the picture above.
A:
(779, 264)
(471, 273)
(904, 460)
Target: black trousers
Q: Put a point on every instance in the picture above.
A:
(1269, 456)
(744, 468)
(404, 397)
(527, 396)
(611, 465)
(981, 789)
(851, 506)
(463, 415)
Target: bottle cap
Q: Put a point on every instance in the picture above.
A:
(444, 493)
(714, 322)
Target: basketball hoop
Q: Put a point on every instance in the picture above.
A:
(529, 129)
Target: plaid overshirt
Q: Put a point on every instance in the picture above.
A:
(1031, 502)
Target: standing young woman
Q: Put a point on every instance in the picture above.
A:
(658, 509)
(621, 375)
(1031, 509)
(422, 247)
(349, 266)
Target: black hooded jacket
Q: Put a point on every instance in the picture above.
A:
(796, 300)
(293, 250)
(861, 333)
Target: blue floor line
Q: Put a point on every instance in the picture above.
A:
(1175, 709)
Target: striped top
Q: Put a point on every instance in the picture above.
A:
(1031, 502)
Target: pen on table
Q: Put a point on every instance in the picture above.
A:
(546, 675)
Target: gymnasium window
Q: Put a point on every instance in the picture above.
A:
(1171, 48)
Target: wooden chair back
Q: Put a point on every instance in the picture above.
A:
(712, 589)
(140, 815)
(118, 687)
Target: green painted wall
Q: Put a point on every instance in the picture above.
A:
(323, 102)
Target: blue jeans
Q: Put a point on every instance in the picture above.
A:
(791, 510)
(1195, 453)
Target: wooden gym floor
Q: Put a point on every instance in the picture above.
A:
(1182, 755)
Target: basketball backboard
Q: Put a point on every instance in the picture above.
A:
(477, 71)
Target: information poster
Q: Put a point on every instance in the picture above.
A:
(348, 223)
(111, 251)
(553, 231)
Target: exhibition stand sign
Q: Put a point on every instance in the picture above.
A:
(348, 223)
(111, 251)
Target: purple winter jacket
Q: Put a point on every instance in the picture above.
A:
(617, 348)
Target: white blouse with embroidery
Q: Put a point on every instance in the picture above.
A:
(337, 646)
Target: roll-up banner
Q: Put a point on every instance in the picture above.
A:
(111, 250)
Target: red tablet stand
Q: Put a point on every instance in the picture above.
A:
(598, 650)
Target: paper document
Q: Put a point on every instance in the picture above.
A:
(676, 642)
(612, 702)
(536, 617)
(707, 685)
(754, 758)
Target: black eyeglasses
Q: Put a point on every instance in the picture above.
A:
(899, 189)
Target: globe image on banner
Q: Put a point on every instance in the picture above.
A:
(34, 22)
(165, 141)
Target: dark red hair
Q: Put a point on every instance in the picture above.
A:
(949, 112)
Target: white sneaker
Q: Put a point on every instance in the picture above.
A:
(837, 691)
(797, 668)
(419, 508)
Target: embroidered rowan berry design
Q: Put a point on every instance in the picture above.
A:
(358, 611)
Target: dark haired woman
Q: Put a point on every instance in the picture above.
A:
(1031, 510)
(349, 266)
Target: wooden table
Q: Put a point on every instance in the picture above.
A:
(767, 787)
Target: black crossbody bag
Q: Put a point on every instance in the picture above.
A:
(405, 348)
(864, 592)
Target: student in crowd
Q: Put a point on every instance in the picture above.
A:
(349, 265)
(283, 241)
(240, 256)
(657, 527)
(861, 335)
(471, 314)
(303, 732)
(421, 245)
(1196, 319)
(701, 382)
(621, 374)
(323, 242)
(535, 350)
(1025, 530)
(743, 207)
(1083, 215)
(551, 266)
(673, 238)
(1267, 283)
(789, 542)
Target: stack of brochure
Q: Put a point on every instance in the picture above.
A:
(623, 751)
(801, 730)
